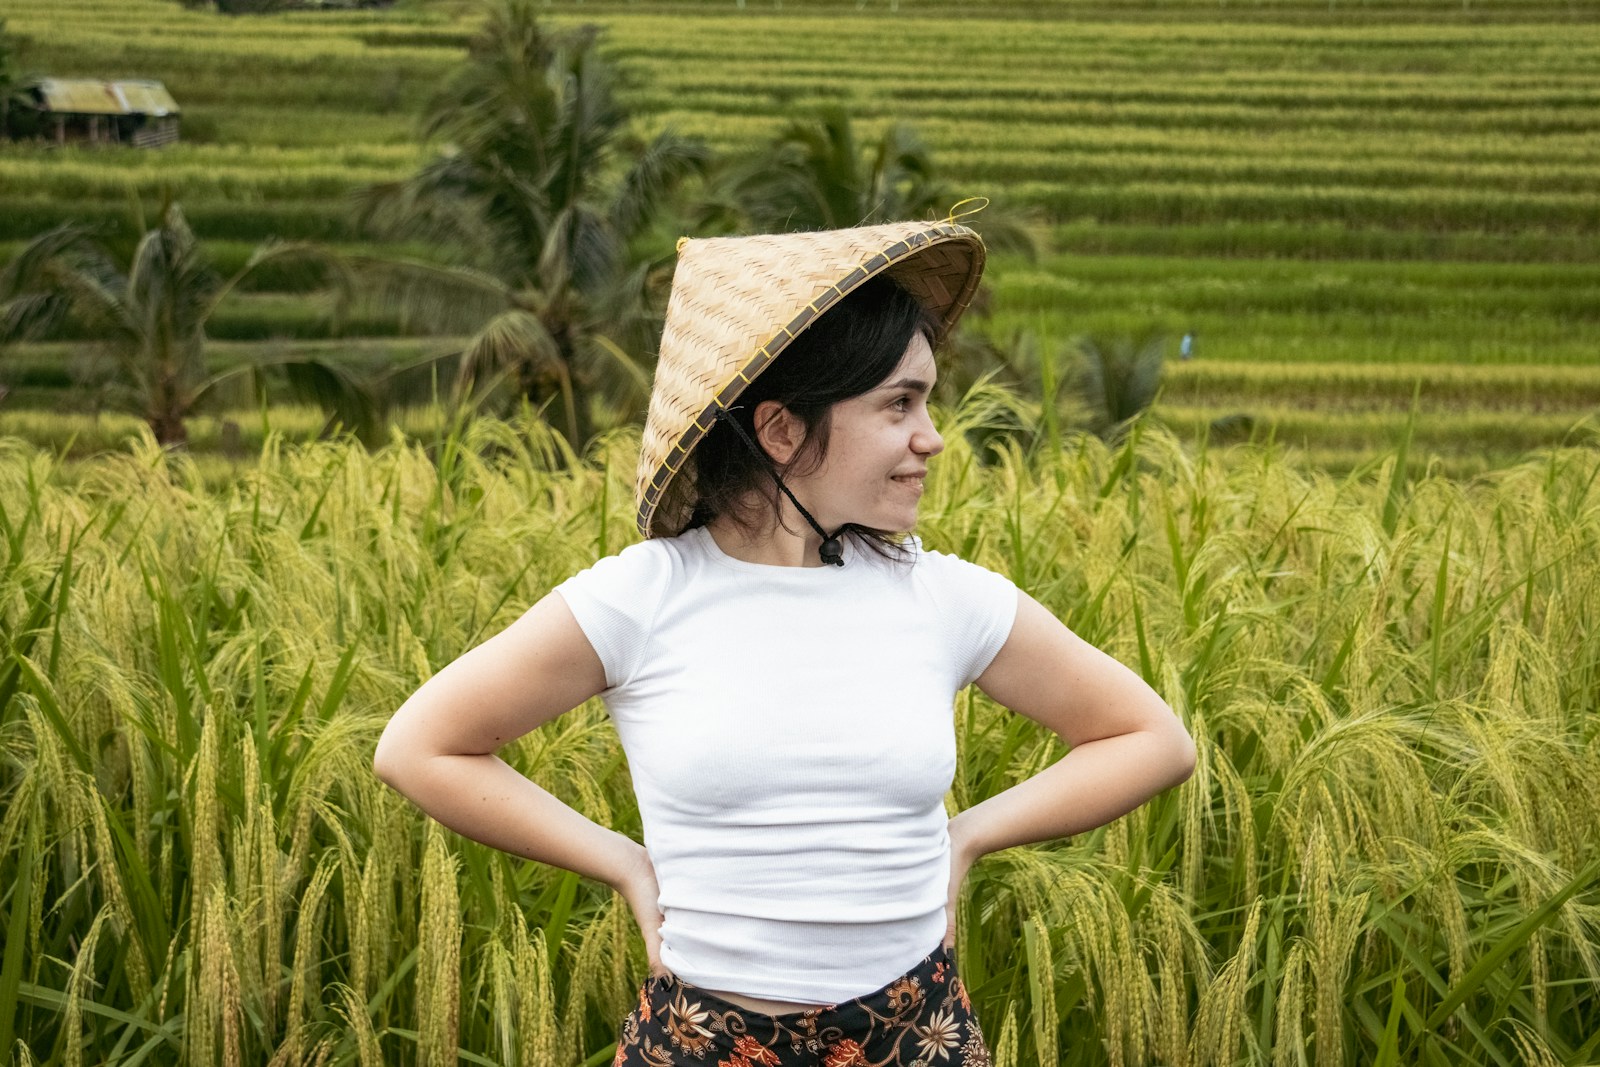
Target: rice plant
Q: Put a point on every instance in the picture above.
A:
(1385, 854)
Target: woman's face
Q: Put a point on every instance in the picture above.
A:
(879, 444)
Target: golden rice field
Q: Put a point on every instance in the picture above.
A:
(1386, 854)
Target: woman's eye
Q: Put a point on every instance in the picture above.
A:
(902, 403)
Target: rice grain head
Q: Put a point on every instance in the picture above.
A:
(1289, 1037)
(536, 1001)
(1042, 989)
(1221, 1019)
(81, 975)
(269, 888)
(1005, 1050)
(304, 969)
(123, 924)
(1170, 1037)
(439, 956)
(354, 1009)
(1533, 1049)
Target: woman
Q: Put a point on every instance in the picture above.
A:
(780, 664)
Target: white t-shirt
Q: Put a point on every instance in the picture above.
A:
(790, 731)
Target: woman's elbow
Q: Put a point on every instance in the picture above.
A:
(392, 757)
(1179, 752)
(1184, 757)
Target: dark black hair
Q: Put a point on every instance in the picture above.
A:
(850, 350)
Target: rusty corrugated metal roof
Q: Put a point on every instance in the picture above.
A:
(86, 96)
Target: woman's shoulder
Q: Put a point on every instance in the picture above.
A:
(951, 576)
(935, 560)
(636, 566)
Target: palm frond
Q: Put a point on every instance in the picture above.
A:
(320, 265)
(592, 257)
(1119, 378)
(426, 296)
(426, 380)
(347, 399)
(516, 347)
(514, 339)
(99, 304)
(31, 315)
(23, 273)
(443, 204)
(626, 381)
(170, 284)
(657, 170)
(32, 305)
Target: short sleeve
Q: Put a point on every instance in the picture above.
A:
(977, 606)
(616, 601)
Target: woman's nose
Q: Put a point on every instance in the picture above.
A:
(928, 442)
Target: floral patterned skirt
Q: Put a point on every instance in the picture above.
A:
(921, 1019)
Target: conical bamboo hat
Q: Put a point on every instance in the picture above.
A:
(737, 302)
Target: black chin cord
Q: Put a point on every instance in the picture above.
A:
(831, 551)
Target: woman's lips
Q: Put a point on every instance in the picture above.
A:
(913, 480)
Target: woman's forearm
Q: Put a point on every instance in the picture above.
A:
(484, 798)
(1094, 783)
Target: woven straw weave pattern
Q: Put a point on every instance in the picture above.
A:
(736, 302)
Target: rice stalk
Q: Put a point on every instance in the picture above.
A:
(308, 925)
(438, 966)
(1290, 1042)
(536, 1001)
(1220, 1022)
(353, 1010)
(1042, 990)
(214, 996)
(82, 968)
(1005, 1050)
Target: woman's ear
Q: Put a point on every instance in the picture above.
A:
(779, 431)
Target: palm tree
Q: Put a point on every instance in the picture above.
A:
(1118, 378)
(814, 175)
(547, 204)
(151, 321)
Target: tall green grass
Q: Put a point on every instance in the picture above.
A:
(1386, 854)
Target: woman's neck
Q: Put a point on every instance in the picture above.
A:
(770, 544)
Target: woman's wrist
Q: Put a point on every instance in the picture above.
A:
(625, 864)
(964, 847)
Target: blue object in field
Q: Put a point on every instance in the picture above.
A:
(1186, 348)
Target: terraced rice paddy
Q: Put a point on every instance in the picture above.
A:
(1349, 185)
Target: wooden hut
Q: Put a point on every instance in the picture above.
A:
(90, 111)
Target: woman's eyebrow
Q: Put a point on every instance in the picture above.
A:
(916, 385)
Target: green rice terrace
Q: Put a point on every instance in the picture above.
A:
(1342, 204)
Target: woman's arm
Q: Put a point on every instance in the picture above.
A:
(438, 750)
(1125, 743)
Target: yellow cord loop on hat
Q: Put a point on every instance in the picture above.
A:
(956, 214)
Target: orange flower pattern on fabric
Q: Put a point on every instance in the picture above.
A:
(755, 1052)
(921, 1019)
(845, 1054)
